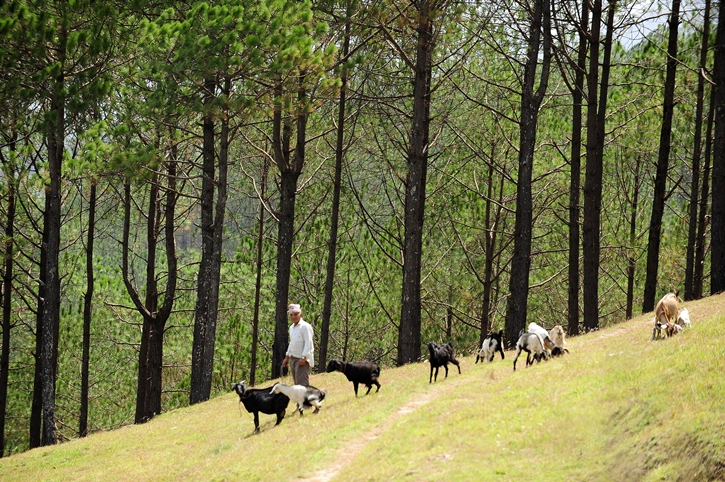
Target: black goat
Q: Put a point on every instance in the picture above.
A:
(364, 372)
(257, 400)
(441, 356)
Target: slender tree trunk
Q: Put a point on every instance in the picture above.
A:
(702, 218)
(575, 183)
(409, 342)
(516, 309)
(51, 306)
(289, 172)
(87, 308)
(694, 192)
(36, 409)
(148, 395)
(632, 259)
(258, 285)
(7, 298)
(596, 115)
(717, 262)
(212, 224)
(663, 161)
(490, 244)
(332, 244)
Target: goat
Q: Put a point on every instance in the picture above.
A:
(541, 331)
(441, 356)
(665, 312)
(531, 343)
(558, 336)
(683, 318)
(257, 400)
(492, 344)
(364, 372)
(558, 351)
(304, 397)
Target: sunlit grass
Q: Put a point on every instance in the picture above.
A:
(617, 408)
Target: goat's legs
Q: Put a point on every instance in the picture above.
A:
(354, 384)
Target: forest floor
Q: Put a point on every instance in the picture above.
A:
(618, 407)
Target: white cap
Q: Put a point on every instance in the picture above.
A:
(294, 309)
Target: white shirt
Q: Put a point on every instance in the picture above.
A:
(300, 344)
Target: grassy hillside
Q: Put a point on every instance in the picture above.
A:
(617, 408)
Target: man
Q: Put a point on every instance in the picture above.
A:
(300, 350)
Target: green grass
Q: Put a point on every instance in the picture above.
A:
(617, 408)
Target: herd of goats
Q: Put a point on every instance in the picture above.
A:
(537, 343)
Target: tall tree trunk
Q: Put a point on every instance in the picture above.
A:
(409, 342)
(87, 309)
(36, 408)
(290, 171)
(702, 217)
(212, 225)
(490, 244)
(631, 258)
(148, 395)
(51, 306)
(663, 162)
(332, 244)
(575, 182)
(7, 296)
(694, 191)
(516, 309)
(596, 115)
(717, 262)
(258, 284)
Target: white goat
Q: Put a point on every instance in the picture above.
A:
(683, 318)
(531, 343)
(304, 397)
(541, 331)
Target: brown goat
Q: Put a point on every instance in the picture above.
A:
(665, 312)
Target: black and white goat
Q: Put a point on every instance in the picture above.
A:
(532, 344)
(304, 397)
(441, 356)
(257, 400)
(492, 344)
(364, 372)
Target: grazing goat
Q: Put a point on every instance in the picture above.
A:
(257, 400)
(683, 318)
(558, 336)
(441, 356)
(531, 343)
(492, 344)
(364, 372)
(304, 397)
(665, 312)
(541, 331)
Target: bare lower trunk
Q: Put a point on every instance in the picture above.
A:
(87, 307)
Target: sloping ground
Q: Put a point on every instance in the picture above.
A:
(617, 408)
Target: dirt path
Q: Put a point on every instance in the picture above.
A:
(352, 449)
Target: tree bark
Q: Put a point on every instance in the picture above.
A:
(334, 221)
(575, 175)
(663, 161)
(409, 342)
(148, 395)
(717, 263)
(258, 284)
(7, 287)
(290, 171)
(631, 258)
(516, 309)
(212, 225)
(596, 114)
(697, 147)
(87, 311)
(702, 217)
